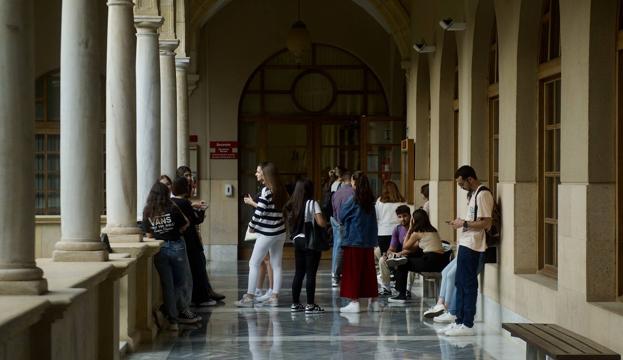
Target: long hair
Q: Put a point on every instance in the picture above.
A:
(390, 193)
(295, 207)
(421, 222)
(158, 201)
(363, 192)
(273, 182)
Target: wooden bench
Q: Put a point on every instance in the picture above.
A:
(557, 343)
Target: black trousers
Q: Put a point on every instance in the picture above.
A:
(421, 262)
(306, 263)
(197, 261)
(384, 242)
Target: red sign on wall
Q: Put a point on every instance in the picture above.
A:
(223, 149)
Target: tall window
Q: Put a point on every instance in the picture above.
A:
(494, 111)
(619, 134)
(549, 136)
(48, 144)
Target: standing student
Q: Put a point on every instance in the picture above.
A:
(360, 237)
(424, 193)
(472, 243)
(344, 192)
(199, 207)
(164, 221)
(269, 225)
(302, 208)
(194, 248)
(265, 269)
(385, 208)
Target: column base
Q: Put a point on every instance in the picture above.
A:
(79, 256)
(28, 287)
(125, 238)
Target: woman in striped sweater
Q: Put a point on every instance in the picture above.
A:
(269, 225)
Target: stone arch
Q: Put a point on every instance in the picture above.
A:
(442, 160)
(478, 124)
(422, 114)
(391, 11)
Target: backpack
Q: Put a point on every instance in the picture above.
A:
(493, 233)
(313, 236)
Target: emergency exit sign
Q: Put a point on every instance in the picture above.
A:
(223, 149)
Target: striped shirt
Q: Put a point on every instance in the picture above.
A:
(267, 220)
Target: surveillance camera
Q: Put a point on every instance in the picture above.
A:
(422, 48)
(451, 25)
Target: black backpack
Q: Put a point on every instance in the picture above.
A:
(494, 233)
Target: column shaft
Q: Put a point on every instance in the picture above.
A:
(148, 107)
(168, 106)
(18, 272)
(181, 68)
(81, 145)
(121, 123)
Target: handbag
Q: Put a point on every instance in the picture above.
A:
(314, 237)
(250, 236)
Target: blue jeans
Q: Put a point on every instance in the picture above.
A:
(172, 265)
(467, 266)
(336, 260)
(448, 278)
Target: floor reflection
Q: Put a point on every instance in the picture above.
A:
(396, 332)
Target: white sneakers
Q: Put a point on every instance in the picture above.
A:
(460, 330)
(435, 311)
(446, 317)
(265, 297)
(373, 306)
(352, 307)
(246, 301)
(454, 329)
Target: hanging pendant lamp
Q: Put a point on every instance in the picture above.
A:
(299, 40)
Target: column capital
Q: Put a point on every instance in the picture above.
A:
(182, 63)
(148, 23)
(167, 47)
(128, 3)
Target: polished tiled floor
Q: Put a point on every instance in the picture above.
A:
(397, 332)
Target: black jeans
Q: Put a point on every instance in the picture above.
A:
(422, 262)
(306, 263)
(384, 242)
(197, 261)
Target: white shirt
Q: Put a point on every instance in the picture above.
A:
(335, 186)
(386, 217)
(476, 239)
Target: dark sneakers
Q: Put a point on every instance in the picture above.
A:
(297, 308)
(188, 317)
(313, 309)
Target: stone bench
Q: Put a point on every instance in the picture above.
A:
(557, 343)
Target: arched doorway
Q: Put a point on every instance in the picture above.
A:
(308, 117)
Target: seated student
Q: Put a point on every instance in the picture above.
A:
(423, 250)
(398, 236)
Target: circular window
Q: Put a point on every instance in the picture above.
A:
(313, 91)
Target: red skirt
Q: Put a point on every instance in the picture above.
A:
(358, 273)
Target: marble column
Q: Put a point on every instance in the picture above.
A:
(147, 107)
(168, 108)
(181, 79)
(81, 135)
(121, 123)
(18, 272)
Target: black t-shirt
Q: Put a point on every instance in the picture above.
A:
(166, 226)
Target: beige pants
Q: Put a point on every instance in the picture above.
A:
(385, 273)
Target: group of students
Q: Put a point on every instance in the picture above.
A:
(170, 216)
(367, 230)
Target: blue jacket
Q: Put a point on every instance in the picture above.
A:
(360, 228)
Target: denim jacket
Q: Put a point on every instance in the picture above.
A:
(360, 228)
